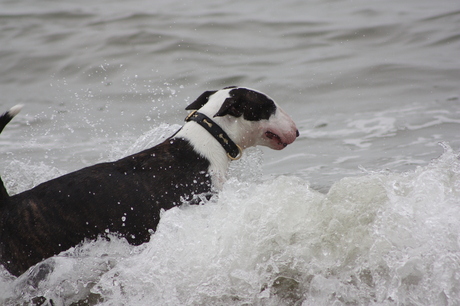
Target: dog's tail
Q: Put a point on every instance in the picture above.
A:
(4, 119)
(7, 116)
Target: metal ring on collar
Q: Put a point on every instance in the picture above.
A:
(240, 154)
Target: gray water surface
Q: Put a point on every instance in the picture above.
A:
(374, 87)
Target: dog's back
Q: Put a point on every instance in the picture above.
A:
(123, 197)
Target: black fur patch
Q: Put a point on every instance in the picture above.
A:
(123, 197)
(252, 105)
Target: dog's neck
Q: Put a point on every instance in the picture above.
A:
(207, 146)
(233, 150)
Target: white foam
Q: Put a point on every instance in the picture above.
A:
(381, 238)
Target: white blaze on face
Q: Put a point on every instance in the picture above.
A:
(278, 131)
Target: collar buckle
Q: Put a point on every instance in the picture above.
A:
(189, 116)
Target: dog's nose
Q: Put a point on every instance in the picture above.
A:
(297, 133)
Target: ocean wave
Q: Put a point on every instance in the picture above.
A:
(380, 238)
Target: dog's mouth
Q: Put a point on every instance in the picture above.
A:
(275, 137)
(280, 142)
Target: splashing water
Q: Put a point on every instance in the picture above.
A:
(381, 238)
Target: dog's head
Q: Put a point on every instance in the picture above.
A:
(249, 117)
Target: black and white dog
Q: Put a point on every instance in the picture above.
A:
(126, 196)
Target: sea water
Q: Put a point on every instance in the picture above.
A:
(362, 209)
(380, 238)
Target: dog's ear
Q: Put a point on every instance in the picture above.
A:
(201, 100)
(231, 107)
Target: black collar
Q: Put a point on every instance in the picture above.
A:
(233, 150)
